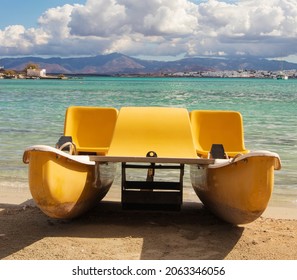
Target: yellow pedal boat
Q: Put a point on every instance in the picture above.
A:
(231, 181)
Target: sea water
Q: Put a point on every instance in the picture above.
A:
(32, 112)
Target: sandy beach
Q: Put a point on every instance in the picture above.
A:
(109, 233)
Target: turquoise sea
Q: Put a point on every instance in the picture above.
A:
(32, 112)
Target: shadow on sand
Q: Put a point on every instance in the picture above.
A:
(108, 232)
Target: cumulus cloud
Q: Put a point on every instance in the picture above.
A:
(15, 40)
(265, 28)
(98, 18)
(55, 21)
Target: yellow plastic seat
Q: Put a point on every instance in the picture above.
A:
(166, 131)
(218, 127)
(91, 128)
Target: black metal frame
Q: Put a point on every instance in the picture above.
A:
(151, 194)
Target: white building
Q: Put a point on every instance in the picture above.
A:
(36, 72)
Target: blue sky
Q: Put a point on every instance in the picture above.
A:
(26, 12)
(155, 28)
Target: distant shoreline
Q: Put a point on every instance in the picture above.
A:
(117, 64)
(174, 75)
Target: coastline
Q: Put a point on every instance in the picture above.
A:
(109, 233)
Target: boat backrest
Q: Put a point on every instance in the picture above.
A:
(217, 127)
(165, 131)
(91, 128)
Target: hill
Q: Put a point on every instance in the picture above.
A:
(117, 63)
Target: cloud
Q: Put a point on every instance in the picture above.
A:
(55, 21)
(17, 40)
(266, 28)
(98, 18)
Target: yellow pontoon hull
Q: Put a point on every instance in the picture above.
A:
(65, 186)
(238, 190)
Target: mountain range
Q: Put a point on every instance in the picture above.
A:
(117, 63)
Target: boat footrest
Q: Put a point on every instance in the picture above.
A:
(154, 185)
(150, 194)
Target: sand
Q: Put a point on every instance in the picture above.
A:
(109, 233)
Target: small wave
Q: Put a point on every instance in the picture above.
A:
(14, 130)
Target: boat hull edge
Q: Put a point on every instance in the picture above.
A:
(65, 186)
(237, 191)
